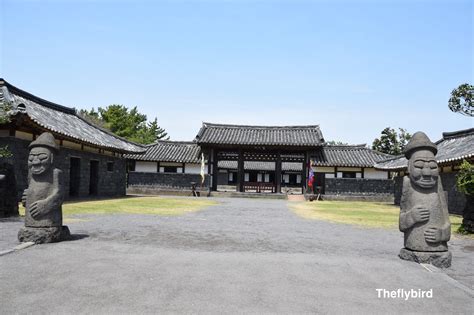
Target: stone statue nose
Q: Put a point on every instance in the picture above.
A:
(426, 171)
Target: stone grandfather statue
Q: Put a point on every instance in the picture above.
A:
(424, 218)
(8, 193)
(44, 196)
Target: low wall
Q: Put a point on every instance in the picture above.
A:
(358, 186)
(456, 200)
(165, 180)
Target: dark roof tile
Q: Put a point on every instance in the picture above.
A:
(63, 120)
(295, 136)
(347, 155)
(170, 151)
(453, 147)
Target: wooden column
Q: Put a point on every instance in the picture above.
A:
(362, 174)
(240, 172)
(278, 173)
(304, 173)
(209, 167)
(215, 171)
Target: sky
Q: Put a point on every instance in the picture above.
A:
(352, 67)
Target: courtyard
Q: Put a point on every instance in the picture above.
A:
(231, 255)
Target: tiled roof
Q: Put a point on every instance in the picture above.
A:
(170, 151)
(453, 147)
(260, 166)
(294, 136)
(62, 121)
(348, 155)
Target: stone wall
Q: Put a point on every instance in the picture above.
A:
(358, 186)
(110, 183)
(456, 200)
(165, 180)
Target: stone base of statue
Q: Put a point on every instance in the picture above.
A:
(437, 259)
(44, 235)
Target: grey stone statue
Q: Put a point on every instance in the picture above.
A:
(44, 196)
(424, 218)
(8, 193)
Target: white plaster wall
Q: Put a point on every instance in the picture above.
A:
(323, 169)
(329, 175)
(146, 167)
(375, 174)
(194, 168)
(349, 169)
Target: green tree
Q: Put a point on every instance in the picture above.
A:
(93, 117)
(391, 142)
(126, 123)
(461, 100)
(465, 178)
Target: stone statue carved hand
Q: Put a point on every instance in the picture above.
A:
(433, 235)
(420, 214)
(23, 197)
(37, 209)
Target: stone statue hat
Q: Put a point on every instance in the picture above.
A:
(419, 141)
(46, 139)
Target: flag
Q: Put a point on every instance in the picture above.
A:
(202, 169)
(311, 176)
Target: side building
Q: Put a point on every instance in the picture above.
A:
(92, 159)
(166, 166)
(453, 148)
(349, 170)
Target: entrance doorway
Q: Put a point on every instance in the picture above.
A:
(94, 178)
(74, 176)
(319, 182)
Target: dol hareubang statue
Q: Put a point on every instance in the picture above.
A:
(44, 196)
(424, 217)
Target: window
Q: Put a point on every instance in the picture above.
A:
(170, 169)
(110, 166)
(348, 174)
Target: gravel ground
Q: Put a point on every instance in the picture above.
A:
(242, 256)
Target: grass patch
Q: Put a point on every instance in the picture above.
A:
(138, 205)
(364, 214)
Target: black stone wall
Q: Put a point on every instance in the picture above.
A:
(165, 180)
(456, 200)
(358, 186)
(111, 183)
